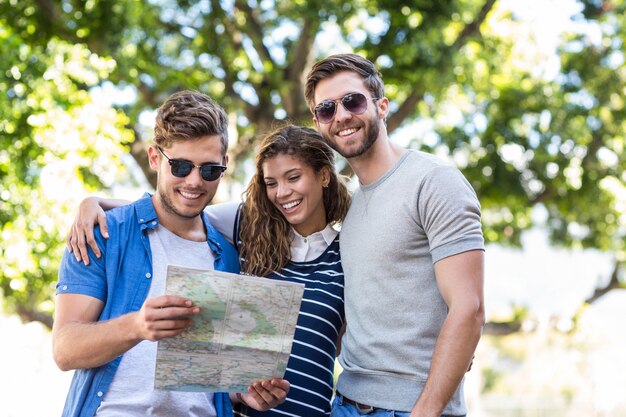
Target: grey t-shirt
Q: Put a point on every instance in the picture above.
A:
(132, 392)
(421, 211)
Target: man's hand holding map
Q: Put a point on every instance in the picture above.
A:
(243, 333)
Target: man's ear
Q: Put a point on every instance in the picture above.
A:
(154, 157)
(316, 123)
(383, 108)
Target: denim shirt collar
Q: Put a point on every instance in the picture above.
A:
(146, 214)
(147, 219)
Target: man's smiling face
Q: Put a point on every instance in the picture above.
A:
(350, 134)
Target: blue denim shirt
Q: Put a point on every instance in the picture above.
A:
(121, 279)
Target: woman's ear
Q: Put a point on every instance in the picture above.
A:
(325, 172)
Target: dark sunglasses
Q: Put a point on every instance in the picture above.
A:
(355, 103)
(181, 168)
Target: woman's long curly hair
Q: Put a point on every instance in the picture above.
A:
(265, 236)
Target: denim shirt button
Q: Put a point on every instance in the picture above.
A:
(148, 275)
(100, 394)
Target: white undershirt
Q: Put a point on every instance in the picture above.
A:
(132, 392)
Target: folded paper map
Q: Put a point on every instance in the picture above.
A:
(243, 333)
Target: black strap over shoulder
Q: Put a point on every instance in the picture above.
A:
(237, 227)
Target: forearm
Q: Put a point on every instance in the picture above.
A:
(339, 336)
(78, 345)
(451, 358)
(109, 203)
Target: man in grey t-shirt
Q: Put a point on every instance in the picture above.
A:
(412, 253)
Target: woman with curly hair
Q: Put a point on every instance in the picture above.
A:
(284, 230)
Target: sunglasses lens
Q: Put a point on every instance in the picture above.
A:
(355, 103)
(325, 111)
(211, 172)
(180, 169)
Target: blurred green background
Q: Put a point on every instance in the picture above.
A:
(525, 97)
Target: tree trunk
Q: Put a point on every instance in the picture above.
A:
(27, 315)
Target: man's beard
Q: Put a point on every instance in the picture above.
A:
(169, 207)
(371, 134)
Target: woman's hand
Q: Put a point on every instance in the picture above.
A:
(81, 234)
(265, 395)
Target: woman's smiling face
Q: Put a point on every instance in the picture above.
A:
(296, 190)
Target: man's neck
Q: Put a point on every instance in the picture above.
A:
(374, 163)
(186, 228)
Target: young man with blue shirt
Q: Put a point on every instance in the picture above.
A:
(110, 314)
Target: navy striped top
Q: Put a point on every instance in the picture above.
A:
(311, 363)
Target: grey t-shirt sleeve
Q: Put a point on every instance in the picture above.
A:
(222, 217)
(450, 213)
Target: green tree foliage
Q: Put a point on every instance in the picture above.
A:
(54, 141)
(522, 140)
(252, 56)
(559, 143)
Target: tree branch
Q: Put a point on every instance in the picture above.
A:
(51, 11)
(293, 98)
(255, 30)
(27, 315)
(613, 284)
(234, 38)
(514, 326)
(473, 27)
(405, 110)
(138, 152)
(409, 105)
(493, 328)
(540, 198)
(591, 157)
(51, 17)
(148, 94)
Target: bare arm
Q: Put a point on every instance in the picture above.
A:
(90, 212)
(80, 341)
(460, 280)
(342, 330)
